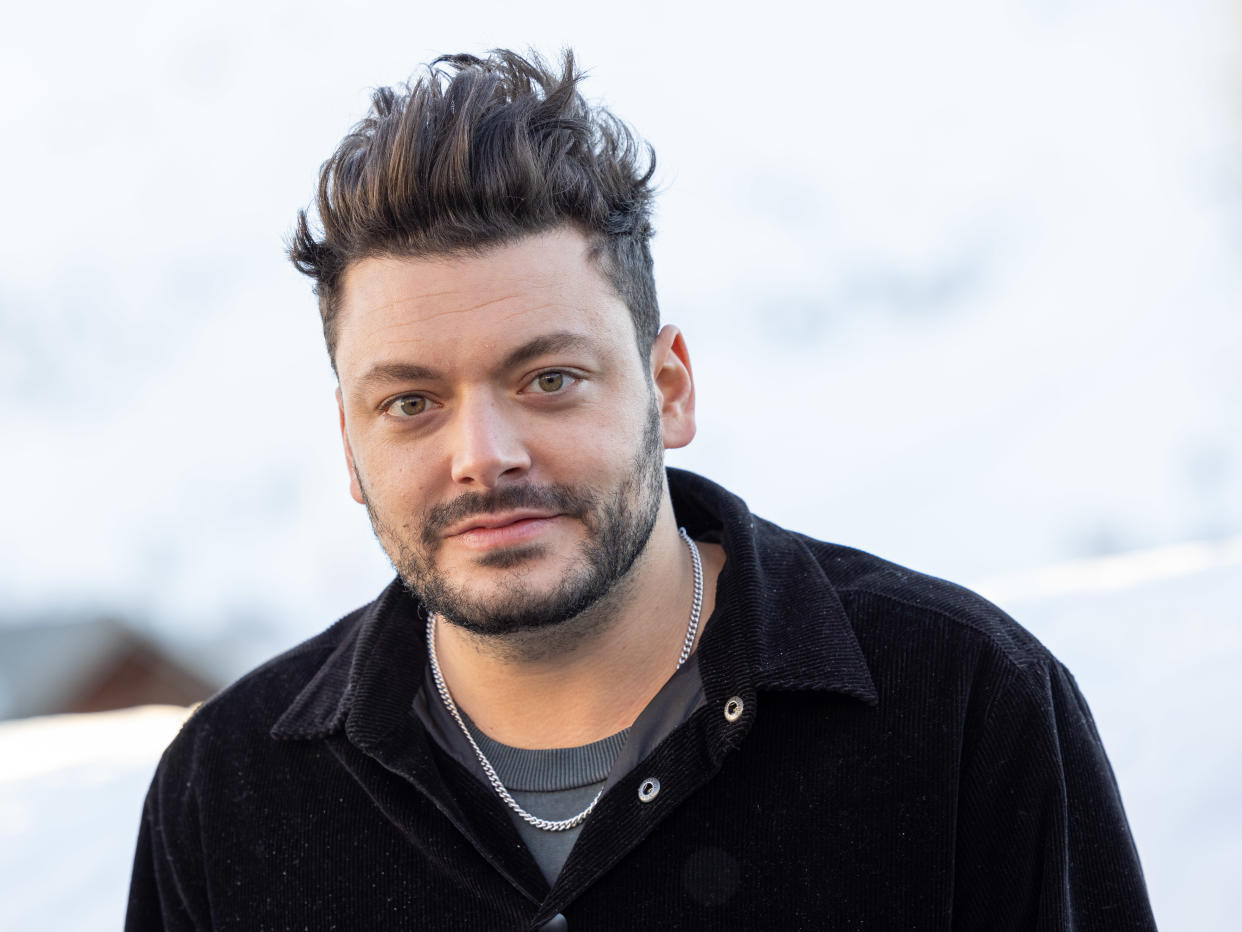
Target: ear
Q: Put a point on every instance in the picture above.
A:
(355, 487)
(674, 386)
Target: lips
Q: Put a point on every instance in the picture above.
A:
(486, 531)
(496, 521)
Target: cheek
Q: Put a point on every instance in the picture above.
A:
(593, 448)
(392, 475)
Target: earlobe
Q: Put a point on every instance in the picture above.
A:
(674, 385)
(355, 487)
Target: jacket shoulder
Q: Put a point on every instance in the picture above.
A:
(878, 592)
(252, 704)
(225, 740)
(214, 769)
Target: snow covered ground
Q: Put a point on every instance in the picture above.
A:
(1155, 641)
(71, 792)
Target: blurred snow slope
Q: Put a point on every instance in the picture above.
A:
(959, 281)
(1153, 655)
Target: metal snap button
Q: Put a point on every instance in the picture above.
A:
(733, 709)
(648, 790)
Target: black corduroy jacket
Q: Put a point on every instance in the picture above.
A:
(906, 757)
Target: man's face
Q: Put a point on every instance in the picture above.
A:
(500, 428)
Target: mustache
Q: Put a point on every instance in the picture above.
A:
(559, 498)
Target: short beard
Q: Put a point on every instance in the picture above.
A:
(618, 530)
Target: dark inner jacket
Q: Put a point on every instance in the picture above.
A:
(907, 757)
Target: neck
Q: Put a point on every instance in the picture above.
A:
(590, 676)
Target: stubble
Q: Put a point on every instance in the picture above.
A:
(618, 526)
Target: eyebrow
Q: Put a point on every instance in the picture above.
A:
(548, 343)
(385, 373)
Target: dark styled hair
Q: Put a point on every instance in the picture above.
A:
(473, 154)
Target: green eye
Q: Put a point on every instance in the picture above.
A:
(408, 406)
(551, 381)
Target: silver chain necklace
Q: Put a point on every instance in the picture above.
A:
(559, 825)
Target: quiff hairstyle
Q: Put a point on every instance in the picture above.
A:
(476, 153)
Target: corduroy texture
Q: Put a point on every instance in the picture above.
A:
(908, 758)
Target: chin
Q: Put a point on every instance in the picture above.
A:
(513, 602)
(510, 557)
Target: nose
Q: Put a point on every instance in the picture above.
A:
(487, 444)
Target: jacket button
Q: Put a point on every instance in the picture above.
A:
(648, 790)
(733, 709)
(557, 923)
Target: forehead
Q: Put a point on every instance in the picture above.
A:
(472, 307)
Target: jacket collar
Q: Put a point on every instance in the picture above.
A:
(779, 624)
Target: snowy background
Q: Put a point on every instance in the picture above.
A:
(960, 282)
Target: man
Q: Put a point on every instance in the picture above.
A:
(599, 695)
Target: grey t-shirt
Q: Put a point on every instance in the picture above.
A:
(558, 783)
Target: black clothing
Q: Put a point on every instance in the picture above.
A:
(560, 783)
(551, 783)
(905, 757)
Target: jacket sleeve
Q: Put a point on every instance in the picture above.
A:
(1043, 840)
(167, 890)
